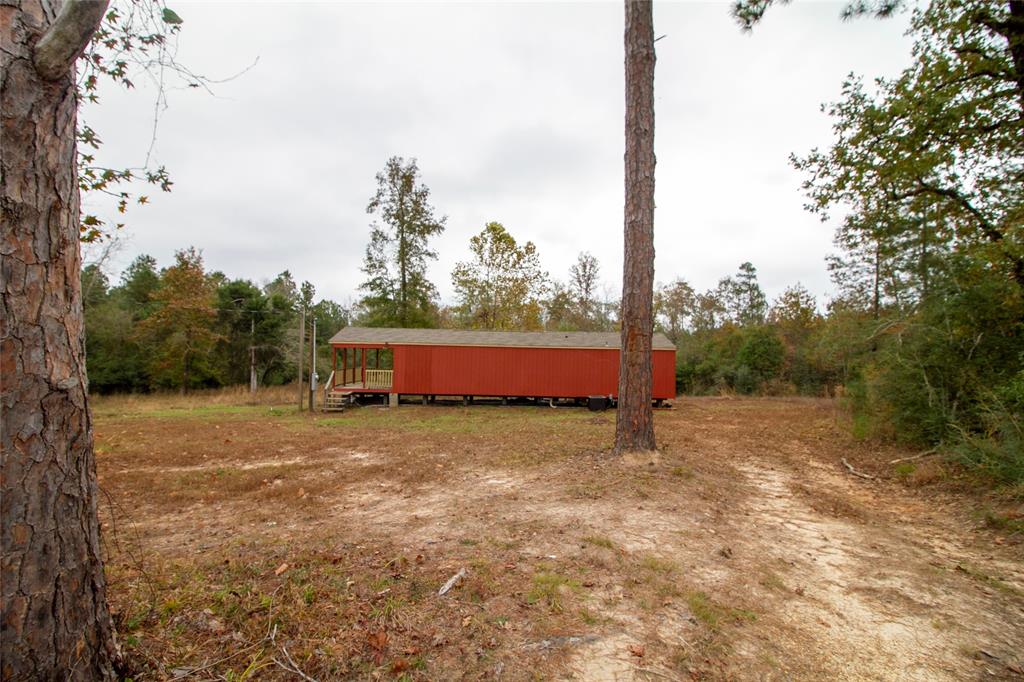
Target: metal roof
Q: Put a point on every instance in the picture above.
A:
(459, 337)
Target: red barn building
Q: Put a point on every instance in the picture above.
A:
(444, 362)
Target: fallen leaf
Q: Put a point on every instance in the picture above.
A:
(377, 640)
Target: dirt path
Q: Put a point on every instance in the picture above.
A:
(877, 600)
(744, 550)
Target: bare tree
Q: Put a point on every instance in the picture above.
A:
(634, 427)
(583, 276)
(55, 622)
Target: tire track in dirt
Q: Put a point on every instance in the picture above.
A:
(869, 602)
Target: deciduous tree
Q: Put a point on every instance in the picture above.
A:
(583, 281)
(182, 325)
(934, 162)
(674, 304)
(502, 286)
(398, 293)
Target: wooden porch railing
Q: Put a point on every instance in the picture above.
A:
(378, 378)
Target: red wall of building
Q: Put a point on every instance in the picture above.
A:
(499, 371)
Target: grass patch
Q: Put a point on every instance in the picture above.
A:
(713, 614)
(551, 589)
(989, 580)
(658, 565)
(599, 541)
(388, 611)
(683, 472)
(905, 469)
(772, 581)
(1013, 525)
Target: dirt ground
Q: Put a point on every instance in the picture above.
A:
(260, 543)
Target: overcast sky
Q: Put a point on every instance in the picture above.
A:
(515, 113)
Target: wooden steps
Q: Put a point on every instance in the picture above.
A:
(335, 401)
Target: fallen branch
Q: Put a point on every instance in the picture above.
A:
(648, 671)
(926, 453)
(452, 582)
(200, 669)
(293, 667)
(572, 640)
(861, 474)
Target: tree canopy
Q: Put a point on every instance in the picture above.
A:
(502, 285)
(398, 292)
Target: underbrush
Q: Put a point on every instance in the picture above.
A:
(220, 400)
(981, 440)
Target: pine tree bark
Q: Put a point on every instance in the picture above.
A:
(634, 424)
(54, 622)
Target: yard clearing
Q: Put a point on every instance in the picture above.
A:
(246, 541)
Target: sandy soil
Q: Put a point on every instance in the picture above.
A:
(743, 550)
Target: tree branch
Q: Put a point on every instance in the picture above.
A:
(68, 37)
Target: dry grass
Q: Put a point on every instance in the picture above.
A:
(207, 401)
(226, 521)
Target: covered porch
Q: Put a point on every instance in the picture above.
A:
(361, 369)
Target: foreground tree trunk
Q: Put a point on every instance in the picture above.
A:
(54, 623)
(634, 424)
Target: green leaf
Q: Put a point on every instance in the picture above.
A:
(170, 16)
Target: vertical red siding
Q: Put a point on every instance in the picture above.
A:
(502, 371)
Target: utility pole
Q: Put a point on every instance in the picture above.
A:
(302, 351)
(252, 353)
(312, 369)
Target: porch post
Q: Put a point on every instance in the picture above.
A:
(363, 354)
(334, 367)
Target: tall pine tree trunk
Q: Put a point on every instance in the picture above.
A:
(634, 426)
(54, 623)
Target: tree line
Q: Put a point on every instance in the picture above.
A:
(182, 327)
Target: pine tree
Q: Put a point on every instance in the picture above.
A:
(53, 605)
(744, 298)
(634, 422)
